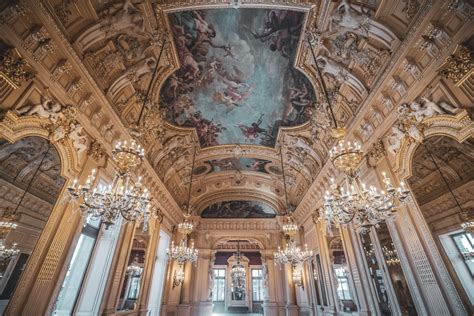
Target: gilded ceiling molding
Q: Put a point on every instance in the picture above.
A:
(14, 70)
(245, 224)
(459, 66)
(171, 5)
(459, 127)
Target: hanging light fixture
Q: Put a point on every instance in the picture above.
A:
(182, 253)
(238, 272)
(364, 206)
(390, 255)
(291, 254)
(122, 198)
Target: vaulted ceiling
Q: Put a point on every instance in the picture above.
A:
(234, 85)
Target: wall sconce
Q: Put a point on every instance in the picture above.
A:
(178, 277)
(298, 278)
(315, 275)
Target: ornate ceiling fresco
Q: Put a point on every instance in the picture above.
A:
(238, 209)
(237, 83)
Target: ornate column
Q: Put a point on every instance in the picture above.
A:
(274, 300)
(201, 283)
(150, 260)
(118, 269)
(440, 297)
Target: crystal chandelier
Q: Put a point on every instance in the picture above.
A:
(391, 256)
(121, 198)
(182, 253)
(7, 253)
(289, 228)
(291, 254)
(363, 206)
(238, 272)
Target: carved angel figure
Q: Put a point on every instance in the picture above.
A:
(47, 109)
(430, 108)
(395, 139)
(78, 139)
(347, 17)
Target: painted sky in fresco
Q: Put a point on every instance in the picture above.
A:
(237, 83)
(238, 209)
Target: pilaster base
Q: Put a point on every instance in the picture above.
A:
(292, 310)
(273, 309)
(202, 309)
(184, 310)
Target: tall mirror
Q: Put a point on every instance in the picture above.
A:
(131, 285)
(30, 184)
(376, 275)
(395, 271)
(344, 288)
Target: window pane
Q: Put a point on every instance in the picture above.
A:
(74, 275)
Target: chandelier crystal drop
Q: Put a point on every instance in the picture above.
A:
(182, 253)
(121, 198)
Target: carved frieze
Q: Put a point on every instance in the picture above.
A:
(459, 66)
(14, 70)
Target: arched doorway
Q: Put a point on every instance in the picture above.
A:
(30, 183)
(442, 183)
(230, 295)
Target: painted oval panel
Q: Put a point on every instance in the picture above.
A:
(237, 83)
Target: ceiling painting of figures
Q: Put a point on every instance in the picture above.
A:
(238, 209)
(237, 83)
(227, 164)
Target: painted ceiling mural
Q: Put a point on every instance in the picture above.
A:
(226, 164)
(238, 209)
(237, 83)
